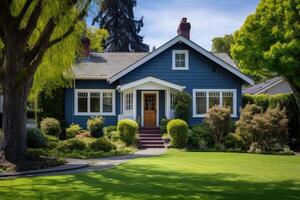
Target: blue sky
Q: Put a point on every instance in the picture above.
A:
(209, 18)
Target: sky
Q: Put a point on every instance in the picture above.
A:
(208, 18)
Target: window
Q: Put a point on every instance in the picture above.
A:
(180, 60)
(204, 99)
(91, 102)
(172, 99)
(129, 101)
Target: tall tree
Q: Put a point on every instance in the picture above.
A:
(97, 38)
(269, 41)
(117, 17)
(222, 44)
(33, 35)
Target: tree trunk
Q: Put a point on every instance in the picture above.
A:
(16, 87)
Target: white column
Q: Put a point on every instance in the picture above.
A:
(134, 104)
(168, 103)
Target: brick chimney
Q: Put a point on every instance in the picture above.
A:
(184, 28)
(85, 48)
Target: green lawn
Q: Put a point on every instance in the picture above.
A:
(175, 175)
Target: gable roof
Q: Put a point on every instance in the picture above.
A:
(261, 87)
(225, 57)
(104, 65)
(191, 44)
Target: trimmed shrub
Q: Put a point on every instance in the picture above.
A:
(128, 129)
(52, 141)
(234, 142)
(70, 145)
(108, 130)
(163, 125)
(115, 136)
(203, 133)
(50, 126)
(83, 134)
(35, 138)
(95, 126)
(182, 104)
(102, 144)
(178, 130)
(218, 120)
(72, 131)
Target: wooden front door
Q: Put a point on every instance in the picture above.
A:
(150, 110)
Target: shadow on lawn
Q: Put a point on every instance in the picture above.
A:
(150, 182)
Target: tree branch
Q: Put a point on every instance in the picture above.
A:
(32, 22)
(23, 11)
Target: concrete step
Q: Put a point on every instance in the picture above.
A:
(150, 138)
(142, 142)
(149, 135)
(145, 146)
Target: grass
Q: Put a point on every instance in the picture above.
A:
(175, 175)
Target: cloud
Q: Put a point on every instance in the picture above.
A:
(161, 20)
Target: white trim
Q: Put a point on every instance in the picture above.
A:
(150, 79)
(157, 106)
(134, 104)
(191, 44)
(88, 113)
(186, 53)
(270, 86)
(221, 100)
(168, 100)
(127, 112)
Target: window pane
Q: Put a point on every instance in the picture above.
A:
(180, 60)
(200, 102)
(228, 100)
(214, 99)
(95, 102)
(82, 102)
(107, 102)
(129, 101)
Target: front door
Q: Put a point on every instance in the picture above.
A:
(150, 110)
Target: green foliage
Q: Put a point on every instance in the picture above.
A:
(222, 44)
(178, 130)
(269, 41)
(50, 126)
(35, 138)
(163, 125)
(95, 126)
(108, 130)
(73, 130)
(218, 120)
(128, 129)
(97, 37)
(202, 134)
(234, 142)
(182, 104)
(70, 145)
(102, 144)
(52, 141)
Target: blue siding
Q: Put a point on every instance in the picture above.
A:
(89, 84)
(201, 74)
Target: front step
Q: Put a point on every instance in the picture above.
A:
(150, 138)
(145, 146)
(152, 142)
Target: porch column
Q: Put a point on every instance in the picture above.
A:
(134, 104)
(168, 103)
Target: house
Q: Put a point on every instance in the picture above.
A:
(275, 85)
(142, 86)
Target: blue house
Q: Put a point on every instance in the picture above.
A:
(142, 86)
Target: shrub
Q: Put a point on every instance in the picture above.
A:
(108, 130)
(195, 141)
(52, 141)
(50, 126)
(115, 136)
(72, 131)
(128, 129)
(218, 120)
(234, 142)
(182, 106)
(70, 145)
(83, 134)
(35, 138)
(95, 126)
(203, 133)
(102, 144)
(163, 125)
(178, 130)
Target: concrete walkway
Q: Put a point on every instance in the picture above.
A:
(86, 165)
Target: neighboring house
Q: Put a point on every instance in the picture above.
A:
(273, 86)
(142, 86)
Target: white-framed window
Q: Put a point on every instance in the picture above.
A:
(129, 101)
(204, 99)
(180, 59)
(94, 102)
(172, 100)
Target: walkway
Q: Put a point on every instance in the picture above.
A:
(75, 166)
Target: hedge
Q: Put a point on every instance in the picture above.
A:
(284, 100)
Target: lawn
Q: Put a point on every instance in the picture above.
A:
(175, 175)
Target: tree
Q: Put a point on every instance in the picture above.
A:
(222, 44)
(182, 104)
(117, 17)
(33, 33)
(97, 38)
(269, 42)
(218, 120)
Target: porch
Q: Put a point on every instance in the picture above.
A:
(147, 100)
